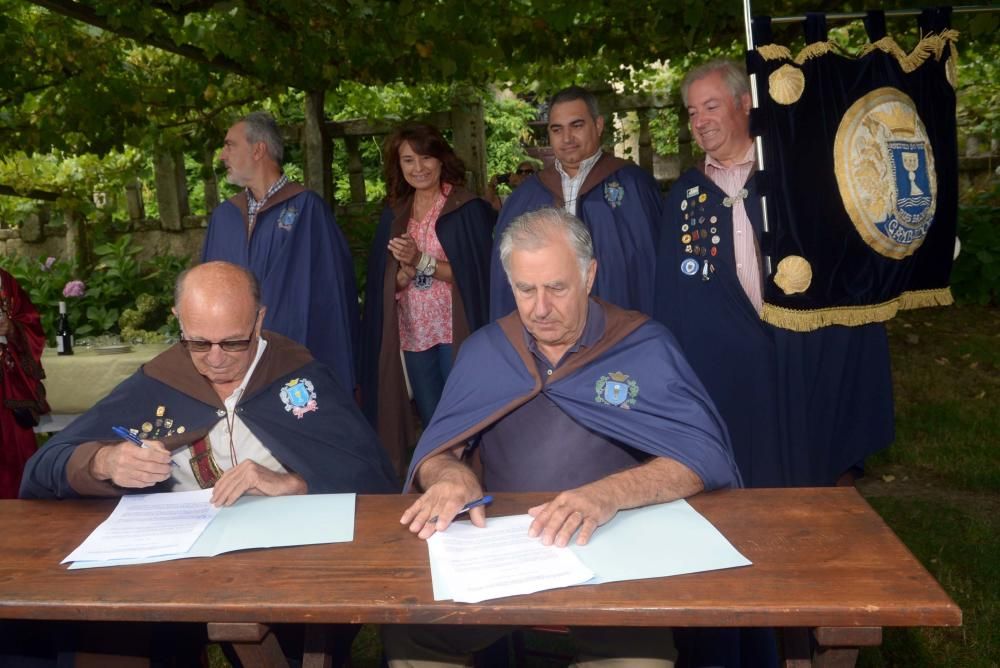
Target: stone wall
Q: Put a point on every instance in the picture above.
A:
(146, 233)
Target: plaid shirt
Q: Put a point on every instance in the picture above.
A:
(571, 184)
(253, 206)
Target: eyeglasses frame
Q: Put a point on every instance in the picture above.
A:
(241, 345)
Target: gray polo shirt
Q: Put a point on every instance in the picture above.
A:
(539, 448)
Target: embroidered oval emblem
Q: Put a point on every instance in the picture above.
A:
(885, 172)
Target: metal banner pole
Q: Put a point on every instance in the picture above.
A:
(758, 140)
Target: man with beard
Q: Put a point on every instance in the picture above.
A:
(288, 237)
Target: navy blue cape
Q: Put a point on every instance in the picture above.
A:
(465, 229)
(801, 408)
(305, 270)
(672, 416)
(620, 204)
(332, 448)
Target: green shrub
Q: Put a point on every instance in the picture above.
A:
(122, 295)
(975, 278)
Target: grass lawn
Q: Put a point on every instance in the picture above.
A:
(937, 486)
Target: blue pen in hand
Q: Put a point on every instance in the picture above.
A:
(484, 501)
(129, 436)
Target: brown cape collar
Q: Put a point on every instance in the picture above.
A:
(174, 367)
(286, 192)
(618, 323)
(605, 166)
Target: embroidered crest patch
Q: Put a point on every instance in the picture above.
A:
(616, 389)
(287, 218)
(885, 172)
(299, 397)
(614, 193)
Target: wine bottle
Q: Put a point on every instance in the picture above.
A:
(64, 335)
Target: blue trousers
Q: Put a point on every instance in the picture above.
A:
(427, 370)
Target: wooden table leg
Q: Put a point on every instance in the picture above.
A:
(316, 652)
(827, 646)
(838, 647)
(796, 648)
(255, 645)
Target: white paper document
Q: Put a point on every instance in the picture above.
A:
(149, 525)
(476, 564)
(655, 541)
(259, 522)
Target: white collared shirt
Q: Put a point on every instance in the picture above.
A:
(246, 444)
(571, 184)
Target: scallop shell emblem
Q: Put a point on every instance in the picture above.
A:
(786, 84)
(794, 275)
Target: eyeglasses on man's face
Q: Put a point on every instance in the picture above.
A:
(229, 345)
(525, 172)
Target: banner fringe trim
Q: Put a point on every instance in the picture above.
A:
(853, 316)
(774, 52)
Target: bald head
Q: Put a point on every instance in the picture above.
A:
(217, 285)
(219, 303)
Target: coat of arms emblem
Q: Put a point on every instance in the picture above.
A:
(616, 389)
(287, 218)
(614, 193)
(299, 397)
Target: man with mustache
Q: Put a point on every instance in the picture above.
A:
(288, 237)
(618, 202)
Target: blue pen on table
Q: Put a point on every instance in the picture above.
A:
(129, 436)
(484, 501)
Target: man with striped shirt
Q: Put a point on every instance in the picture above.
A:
(802, 408)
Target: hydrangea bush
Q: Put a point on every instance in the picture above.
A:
(121, 296)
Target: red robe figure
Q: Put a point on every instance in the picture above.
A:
(22, 395)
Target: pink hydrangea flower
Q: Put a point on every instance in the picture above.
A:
(74, 289)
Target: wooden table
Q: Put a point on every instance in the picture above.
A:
(823, 561)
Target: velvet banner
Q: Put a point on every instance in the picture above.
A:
(861, 173)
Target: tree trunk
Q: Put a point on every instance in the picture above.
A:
(317, 147)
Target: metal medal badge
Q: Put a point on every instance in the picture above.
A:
(689, 267)
(158, 427)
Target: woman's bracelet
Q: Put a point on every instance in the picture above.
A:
(427, 265)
